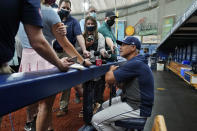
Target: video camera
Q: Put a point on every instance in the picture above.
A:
(97, 53)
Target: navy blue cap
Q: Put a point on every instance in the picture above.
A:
(110, 14)
(130, 40)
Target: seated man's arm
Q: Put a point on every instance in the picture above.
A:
(109, 76)
(41, 46)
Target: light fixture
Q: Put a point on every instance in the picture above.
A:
(85, 6)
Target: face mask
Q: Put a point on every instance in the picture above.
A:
(63, 13)
(110, 22)
(93, 14)
(90, 28)
(50, 2)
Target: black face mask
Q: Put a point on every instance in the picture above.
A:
(110, 22)
(90, 28)
(63, 13)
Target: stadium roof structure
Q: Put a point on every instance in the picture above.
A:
(79, 6)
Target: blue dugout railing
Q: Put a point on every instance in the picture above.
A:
(21, 89)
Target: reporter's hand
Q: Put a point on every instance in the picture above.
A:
(103, 53)
(112, 48)
(62, 30)
(86, 54)
(64, 64)
(87, 63)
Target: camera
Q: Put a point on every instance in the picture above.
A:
(107, 53)
(97, 53)
(90, 38)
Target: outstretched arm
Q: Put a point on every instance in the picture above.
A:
(110, 44)
(81, 42)
(65, 43)
(109, 76)
(41, 46)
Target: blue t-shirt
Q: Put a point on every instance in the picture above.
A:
(12, 12)
(73, 29)
(138, 84)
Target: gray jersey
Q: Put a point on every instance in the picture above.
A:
(131, 92)
(50, 17)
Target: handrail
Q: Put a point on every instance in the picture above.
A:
(21, 89)
(182, 20)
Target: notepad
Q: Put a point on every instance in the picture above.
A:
(77, 66)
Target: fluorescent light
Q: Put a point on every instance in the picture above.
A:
(86, 6)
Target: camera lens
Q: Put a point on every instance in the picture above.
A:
(90, 38)
(109, 52)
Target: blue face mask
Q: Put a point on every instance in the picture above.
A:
(93, 14)
(63, 13)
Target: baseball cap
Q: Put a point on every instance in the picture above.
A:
(130, 40)
(110, 14)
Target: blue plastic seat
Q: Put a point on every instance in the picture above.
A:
(132, 123)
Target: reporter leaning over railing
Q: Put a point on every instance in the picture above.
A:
(95, 44)
(27, 12)
(53, 28)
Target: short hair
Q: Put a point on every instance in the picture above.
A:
(66, 1)
(91, 7)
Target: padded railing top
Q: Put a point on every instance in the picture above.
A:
(20, 89)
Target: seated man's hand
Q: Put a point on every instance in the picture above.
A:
(113, 68)
(107, 85)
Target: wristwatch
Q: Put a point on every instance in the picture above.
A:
(83, 63)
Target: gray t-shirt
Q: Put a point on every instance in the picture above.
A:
(49, 17)
(22, 36)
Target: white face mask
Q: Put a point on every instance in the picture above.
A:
(93, 14)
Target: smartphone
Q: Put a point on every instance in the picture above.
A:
(73, 59)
